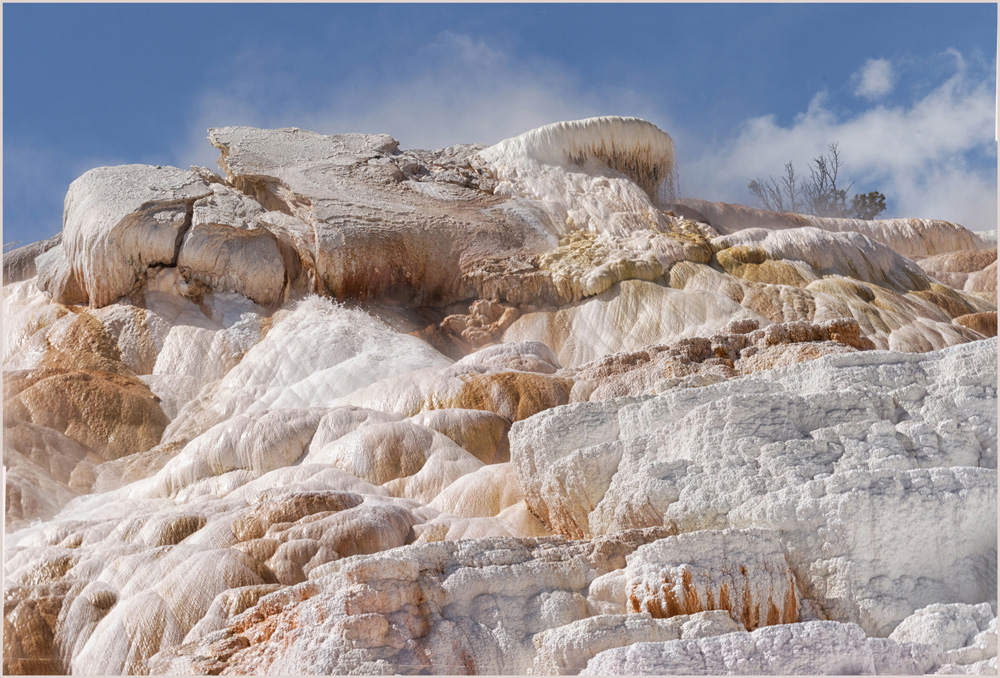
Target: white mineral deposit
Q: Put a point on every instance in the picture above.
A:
(347, 408)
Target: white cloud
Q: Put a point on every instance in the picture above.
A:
(921, 156)
(465, 90)
(874, 80)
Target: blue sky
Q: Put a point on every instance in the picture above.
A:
(908, 90)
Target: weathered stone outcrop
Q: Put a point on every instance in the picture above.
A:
(119, 221)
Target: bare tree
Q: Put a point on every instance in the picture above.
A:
(820, 195)
(772, 194)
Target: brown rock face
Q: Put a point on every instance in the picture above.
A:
(114, 415)
(984, 323)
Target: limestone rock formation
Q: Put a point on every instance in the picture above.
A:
(352, 408)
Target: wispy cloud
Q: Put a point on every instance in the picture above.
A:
(466, 90)
(874, 80)
(921, 155)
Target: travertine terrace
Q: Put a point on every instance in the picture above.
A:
(350, 408)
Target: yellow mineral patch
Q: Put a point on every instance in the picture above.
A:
(584, 265)
(751, 263)
(740, 254)
(844, 287)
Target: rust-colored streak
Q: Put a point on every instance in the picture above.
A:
(674, 606)
(773, 616)
(634, 601)
(791, 607)
(724, 603)
(653, 605)
(750, 615)
(469, 663)
(691, 602)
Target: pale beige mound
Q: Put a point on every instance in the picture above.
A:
(971, 271)
(408, 460)
(480, 432)
(114, 415)
(963, 261)
(984, 282)
(291, 534)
